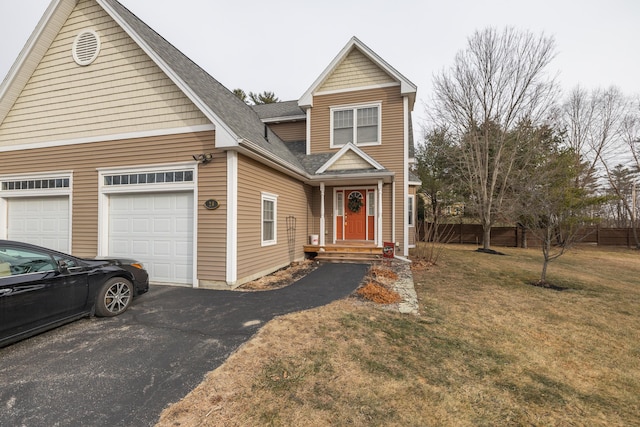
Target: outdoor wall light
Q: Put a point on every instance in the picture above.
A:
(203, 158)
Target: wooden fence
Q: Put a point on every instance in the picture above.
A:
(515, 236)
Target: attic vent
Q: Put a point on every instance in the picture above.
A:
(86, 47)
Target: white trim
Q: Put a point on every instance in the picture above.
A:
(405, 184)
(165, 167)
(284, 119)
(308, 131)
(232, 218)
(269, 197)
(48, 192)
(393, 212)
(356, 88)
(115, 137)
(355, 108)
(194, 240)
(349, 147)
(379, 223)
(322, 215)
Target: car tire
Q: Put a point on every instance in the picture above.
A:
(114, 297)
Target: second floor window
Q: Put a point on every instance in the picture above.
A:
(359, 125)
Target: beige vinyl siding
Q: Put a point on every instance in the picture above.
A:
(123, 91)
(292, 201)
(356, 70)
(290, 131)
(212, 224)
(84, 160)
(390, 153)
(350, 161)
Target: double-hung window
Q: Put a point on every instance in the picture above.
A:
(269, 216)
(359, 125)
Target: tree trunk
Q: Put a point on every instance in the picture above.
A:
(546, 249)
(634, 230)
(543, 276)
(486, 237)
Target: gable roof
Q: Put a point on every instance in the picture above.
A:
(407, 88)
(236, 123)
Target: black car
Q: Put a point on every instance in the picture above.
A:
(41, 288)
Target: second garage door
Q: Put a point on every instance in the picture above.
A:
(156, 229)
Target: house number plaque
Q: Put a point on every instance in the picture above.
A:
(212, 204)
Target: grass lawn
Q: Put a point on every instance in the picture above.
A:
(486, 349)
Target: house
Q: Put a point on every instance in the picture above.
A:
(112, 142)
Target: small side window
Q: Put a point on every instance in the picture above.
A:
(269, 219)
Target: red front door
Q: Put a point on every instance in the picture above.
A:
(355, 215)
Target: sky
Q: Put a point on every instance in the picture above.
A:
(284, 45)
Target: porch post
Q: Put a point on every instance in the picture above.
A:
(322, 214)
(379, 242)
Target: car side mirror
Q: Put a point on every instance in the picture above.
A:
(63, 267)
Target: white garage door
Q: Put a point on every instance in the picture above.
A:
(42, 221)
(156, 229)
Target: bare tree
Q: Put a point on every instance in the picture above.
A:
(594, 123)
(604, 127)
(494, 86)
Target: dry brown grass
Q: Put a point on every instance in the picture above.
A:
(487, 349)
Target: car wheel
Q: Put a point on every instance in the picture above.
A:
(114, 297)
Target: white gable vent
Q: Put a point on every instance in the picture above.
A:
(86, 47)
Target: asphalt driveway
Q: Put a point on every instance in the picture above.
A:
(123, 371)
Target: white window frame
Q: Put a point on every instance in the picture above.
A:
(411, 208)
(355, 108)
(268, 197)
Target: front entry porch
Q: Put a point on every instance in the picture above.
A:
(345, 251)
(351, 216)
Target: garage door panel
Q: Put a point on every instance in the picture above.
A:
(140, 225)
(162, 225)
(156, 229)
(162, 248)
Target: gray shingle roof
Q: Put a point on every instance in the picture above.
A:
(278, 109)
(237, 115)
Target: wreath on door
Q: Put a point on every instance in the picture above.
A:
(355, 201)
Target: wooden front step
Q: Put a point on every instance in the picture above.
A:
(344, 253)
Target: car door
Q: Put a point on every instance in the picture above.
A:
(36, 293)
